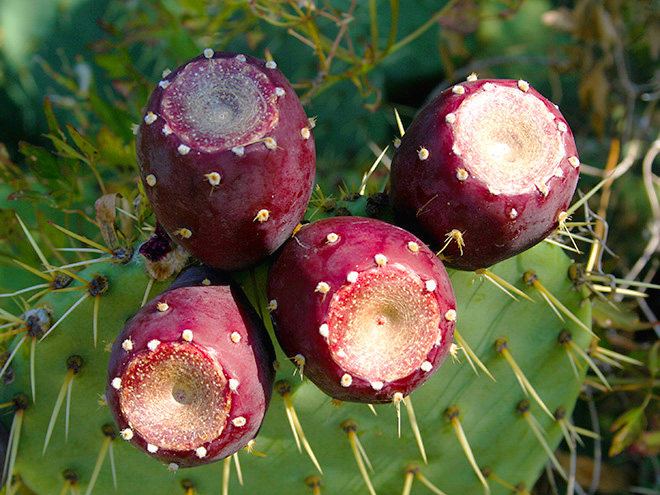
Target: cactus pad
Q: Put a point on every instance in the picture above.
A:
(454, 399)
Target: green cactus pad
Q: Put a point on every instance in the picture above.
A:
(499, 437)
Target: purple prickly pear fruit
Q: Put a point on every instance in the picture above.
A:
(227, 157)
(486, 170)
(191, 374)
(363, 307)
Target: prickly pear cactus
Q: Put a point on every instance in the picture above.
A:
(487, 421)
(470, 431)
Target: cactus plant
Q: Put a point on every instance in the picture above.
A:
(79, 438)
(487, 421)
(449, 443)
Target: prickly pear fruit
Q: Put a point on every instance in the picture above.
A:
(379, 309)
(486, 170)
(191, 374)
(227, 158)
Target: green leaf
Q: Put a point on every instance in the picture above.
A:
(630, 427)
(40, 160)
(53, 125)
(33, 196)
(83, 144)
(64, 148)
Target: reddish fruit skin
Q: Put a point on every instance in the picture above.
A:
(221, 218)
(429, 198)
(214, 310)
(300, 309)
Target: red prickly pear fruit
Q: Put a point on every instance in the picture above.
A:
(227, 158)
(191, 374)
(379, 309)
(486, 170)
